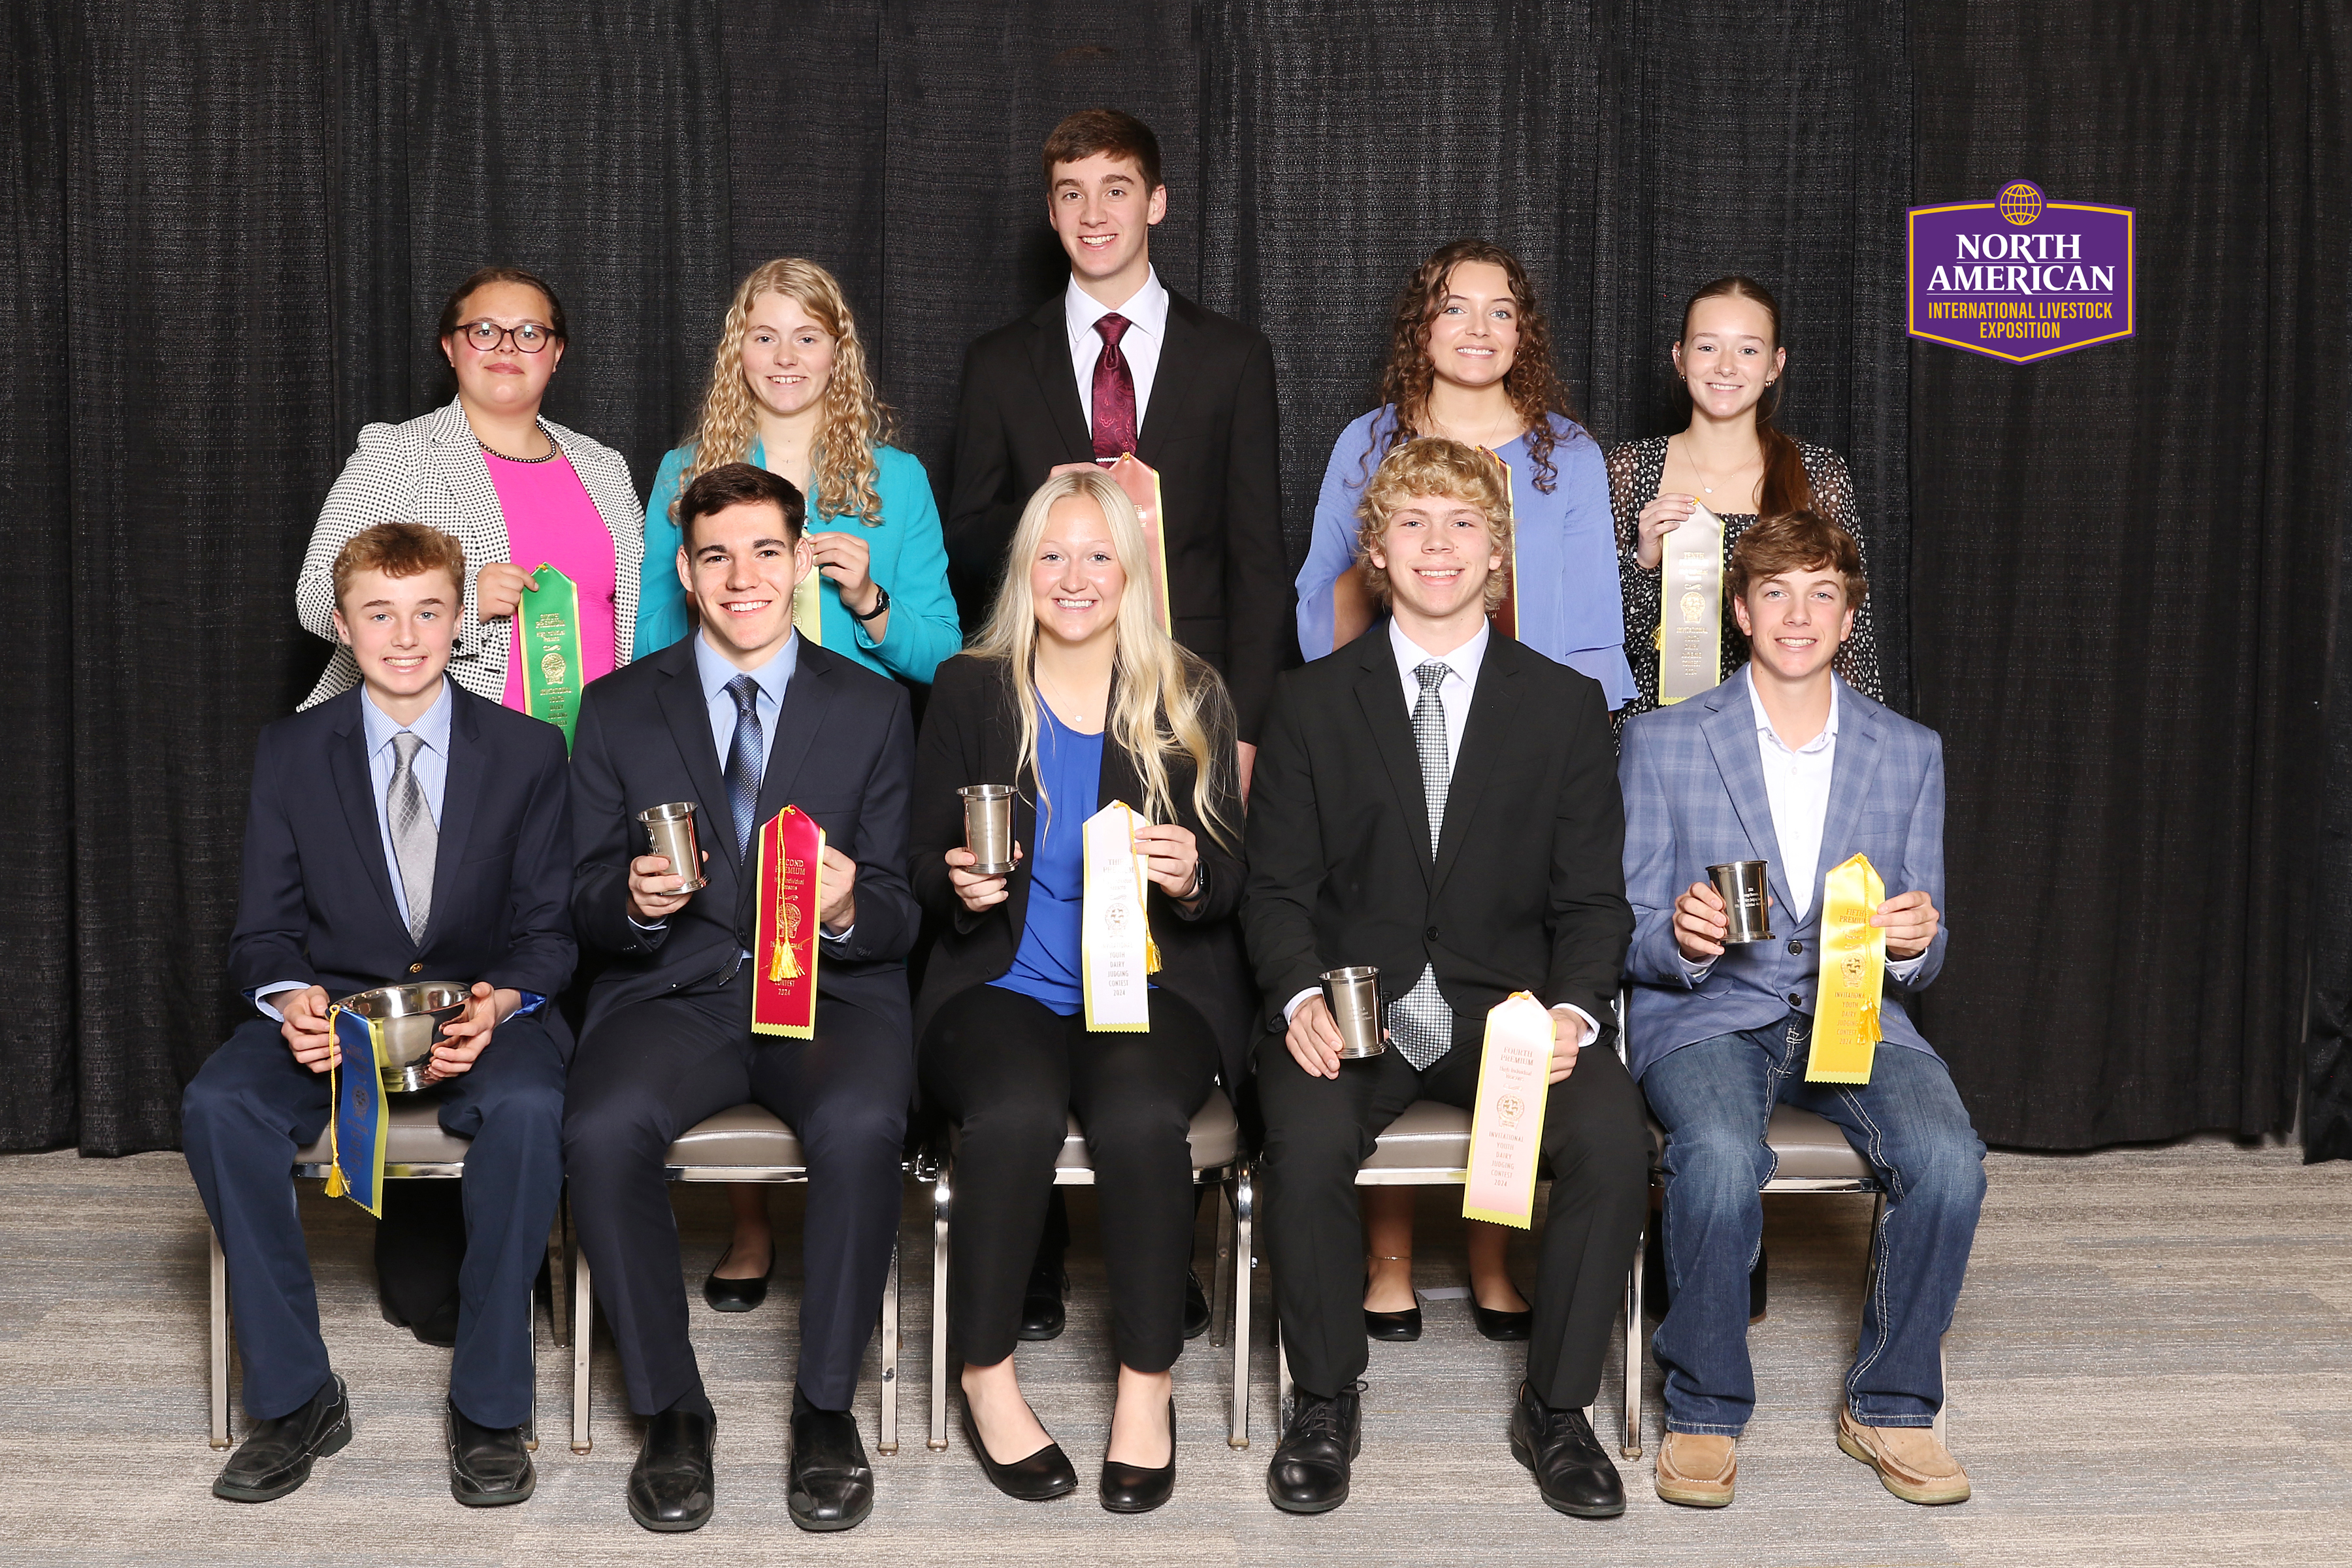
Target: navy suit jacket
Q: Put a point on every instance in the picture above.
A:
(317, 903)
(843, 750)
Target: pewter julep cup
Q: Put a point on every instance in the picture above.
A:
(408, 1020)
(1740, 884)
(669, 831)
(988, 828)
(1353, 995)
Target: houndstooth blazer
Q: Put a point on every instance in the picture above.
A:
(430, 470)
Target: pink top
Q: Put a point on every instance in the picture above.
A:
(550, 518)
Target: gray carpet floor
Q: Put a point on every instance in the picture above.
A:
(2151, 1365)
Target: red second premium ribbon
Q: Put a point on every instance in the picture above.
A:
(783, 948)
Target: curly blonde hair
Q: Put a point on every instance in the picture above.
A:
(855, 418)
(1165, 699)
(1435, 466)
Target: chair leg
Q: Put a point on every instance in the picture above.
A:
(217, 1349)
(942, 1196)
(530, 1423)
(1632, 1446)
(583, 1335)
(1221, 1304)
(1942, 1428)
(889, 1443)
(558, 1309)
(1242, 1266)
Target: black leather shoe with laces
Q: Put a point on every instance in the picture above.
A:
(276, 1456)
(1309, 1473)
(1574, 1476)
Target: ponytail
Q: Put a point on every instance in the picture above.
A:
(1787, 486)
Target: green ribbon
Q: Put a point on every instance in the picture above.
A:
(548, 642)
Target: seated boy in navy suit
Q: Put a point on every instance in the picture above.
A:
(403, 830)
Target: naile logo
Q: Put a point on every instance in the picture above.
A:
(2020, 277)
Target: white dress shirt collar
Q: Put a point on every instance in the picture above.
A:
(1455, 691)
(1797, 788)
(432, 726)
(1147, 312)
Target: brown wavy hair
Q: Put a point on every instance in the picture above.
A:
(1435, 466)
(1796, 541)
(1787, 486)
(1532, 382)
(855, 419)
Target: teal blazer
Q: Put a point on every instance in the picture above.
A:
(908, 559)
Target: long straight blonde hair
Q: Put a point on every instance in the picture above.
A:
(1164, 699)
(855, 419)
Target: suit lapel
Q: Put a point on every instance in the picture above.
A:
(682, 704)
(1049, 356)
(801, 715)
(1382, 697)
(1494, 707)
(347, 760)
(461, 788)
(1731, 730)
(1851, 776)
(1171, 380)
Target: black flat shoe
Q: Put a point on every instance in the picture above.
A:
(737, 1295)
(672, 1487)
(1042, 1477)
(276, 1456)
(1131, 1489)
(489, 1466)
(1559, 1447)
(439, 1327)
(1505, 1327)
(1396, 1326)
(1196, 1306)
(1309, 1472)
(1042, 1316)
(829, 1484)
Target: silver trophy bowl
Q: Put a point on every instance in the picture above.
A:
(408, 1020)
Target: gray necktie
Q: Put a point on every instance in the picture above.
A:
(1421, 1021)
(414, 837)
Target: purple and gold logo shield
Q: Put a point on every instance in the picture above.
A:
(2022, 277)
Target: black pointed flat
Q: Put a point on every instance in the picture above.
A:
(737, 1295)
(1397, 1326)
(1042, 1477)
(1504, 1327)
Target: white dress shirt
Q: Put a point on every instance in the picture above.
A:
(1146, 313)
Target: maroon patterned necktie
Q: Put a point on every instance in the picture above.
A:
(1114, 392)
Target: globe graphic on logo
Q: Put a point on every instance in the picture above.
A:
(2021, 204)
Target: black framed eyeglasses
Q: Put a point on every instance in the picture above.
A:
(487, 337)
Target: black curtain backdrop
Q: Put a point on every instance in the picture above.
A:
(233, 225)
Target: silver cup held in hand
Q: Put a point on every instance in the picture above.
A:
(407, 1022)
(669, 831)
(1740, 884)
(988, 828)
(1354, 997)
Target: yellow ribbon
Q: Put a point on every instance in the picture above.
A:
(808, 615)
(1853, 976)
(336, 1185)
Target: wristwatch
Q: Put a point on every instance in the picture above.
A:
(881, 603)
(1199, 881)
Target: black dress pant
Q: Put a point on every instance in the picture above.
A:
(1318, 1133)
(1010, 1071)
(652, 1070)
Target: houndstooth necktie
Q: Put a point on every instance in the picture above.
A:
(414, 836)
(747, 758)
(1421, 1021)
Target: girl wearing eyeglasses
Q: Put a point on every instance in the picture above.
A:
(516, 490)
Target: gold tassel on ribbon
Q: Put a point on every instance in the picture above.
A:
(782, 964)
(1853, 975)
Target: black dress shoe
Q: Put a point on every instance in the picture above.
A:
(1043, 1474)
(1196, 1306)
(1309, 1473)
(1574, 1476)
(737, 1295)
(1505, 1327)
(671, 1486)
(829, 1484)
(1042, 1316)
(1395, 1326)
(276, 1456)
(1131, 1489)
(489, 1466)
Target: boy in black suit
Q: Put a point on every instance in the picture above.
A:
(406, 830)
(742, 719)
(1440, 802)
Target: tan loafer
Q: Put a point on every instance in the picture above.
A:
(1696, 1469)
(1911, 1461)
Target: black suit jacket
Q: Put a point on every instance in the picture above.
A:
(1209, 430)
(317, 903)
(1526, 890)
(971, 733)
(843, 752)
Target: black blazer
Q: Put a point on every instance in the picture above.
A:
(971, 733)
(843, 752)
(1526, 891)
(317, 903)
(1209, 429)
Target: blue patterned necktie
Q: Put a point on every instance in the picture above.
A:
(745, 758)
(1421, 1021)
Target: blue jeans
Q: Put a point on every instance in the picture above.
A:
(1714, 1098)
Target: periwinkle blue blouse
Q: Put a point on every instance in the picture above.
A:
(907, 555)
(1053, 937)
(1569, 608)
